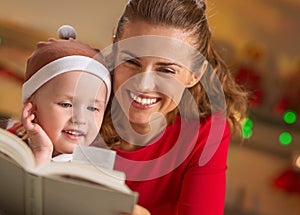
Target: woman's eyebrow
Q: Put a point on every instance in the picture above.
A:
(168, 64)
(159, 63)
(129, 53)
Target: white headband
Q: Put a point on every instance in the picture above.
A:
(62, 65)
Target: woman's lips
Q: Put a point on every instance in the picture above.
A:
(142, 101)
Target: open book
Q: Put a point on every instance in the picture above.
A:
(57, 188)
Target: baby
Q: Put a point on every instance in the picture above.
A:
(66, 90)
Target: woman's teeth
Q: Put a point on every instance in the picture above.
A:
(143, 101)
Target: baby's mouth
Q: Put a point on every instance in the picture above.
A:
(75, 133)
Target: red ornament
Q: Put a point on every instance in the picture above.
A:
(288, 180)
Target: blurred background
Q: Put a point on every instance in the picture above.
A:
(259, 39)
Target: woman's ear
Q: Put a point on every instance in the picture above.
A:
(114, 35)
(196, 76)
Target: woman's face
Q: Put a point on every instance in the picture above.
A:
(148, 83)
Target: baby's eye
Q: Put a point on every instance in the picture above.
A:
(65, 104)
(93, 109)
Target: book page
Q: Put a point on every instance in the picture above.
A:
(11, 186)
(17, 149)
(65, 196)
(101, 157)
(105, 177)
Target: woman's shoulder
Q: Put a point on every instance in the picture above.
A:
(202, 130)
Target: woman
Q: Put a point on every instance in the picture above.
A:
(175, 105)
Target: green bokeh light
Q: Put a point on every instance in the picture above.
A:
(290, 117)
(247, 133)
(247, 128)
(248, 123)
(285, 138)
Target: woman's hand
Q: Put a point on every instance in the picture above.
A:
(139, 210)
(39, 142)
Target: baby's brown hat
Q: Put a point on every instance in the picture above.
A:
(49, 52)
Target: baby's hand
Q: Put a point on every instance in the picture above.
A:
(39, 141)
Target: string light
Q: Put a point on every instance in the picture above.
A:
(297, 162)
(247, 126)
(285, 138)
(290, 116)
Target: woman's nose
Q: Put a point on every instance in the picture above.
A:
(146, 80)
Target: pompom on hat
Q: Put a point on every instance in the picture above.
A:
(57, 56)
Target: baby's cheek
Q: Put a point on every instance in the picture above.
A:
(99, 118)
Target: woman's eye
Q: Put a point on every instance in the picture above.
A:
(131, 62)
(93, 109)
(65, 105)
(167, 70)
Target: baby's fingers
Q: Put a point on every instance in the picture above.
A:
(27, 122)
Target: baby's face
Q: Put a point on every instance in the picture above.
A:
(70, 109)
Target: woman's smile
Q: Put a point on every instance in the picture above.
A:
(143, 101)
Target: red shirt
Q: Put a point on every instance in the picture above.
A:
(182, 171)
